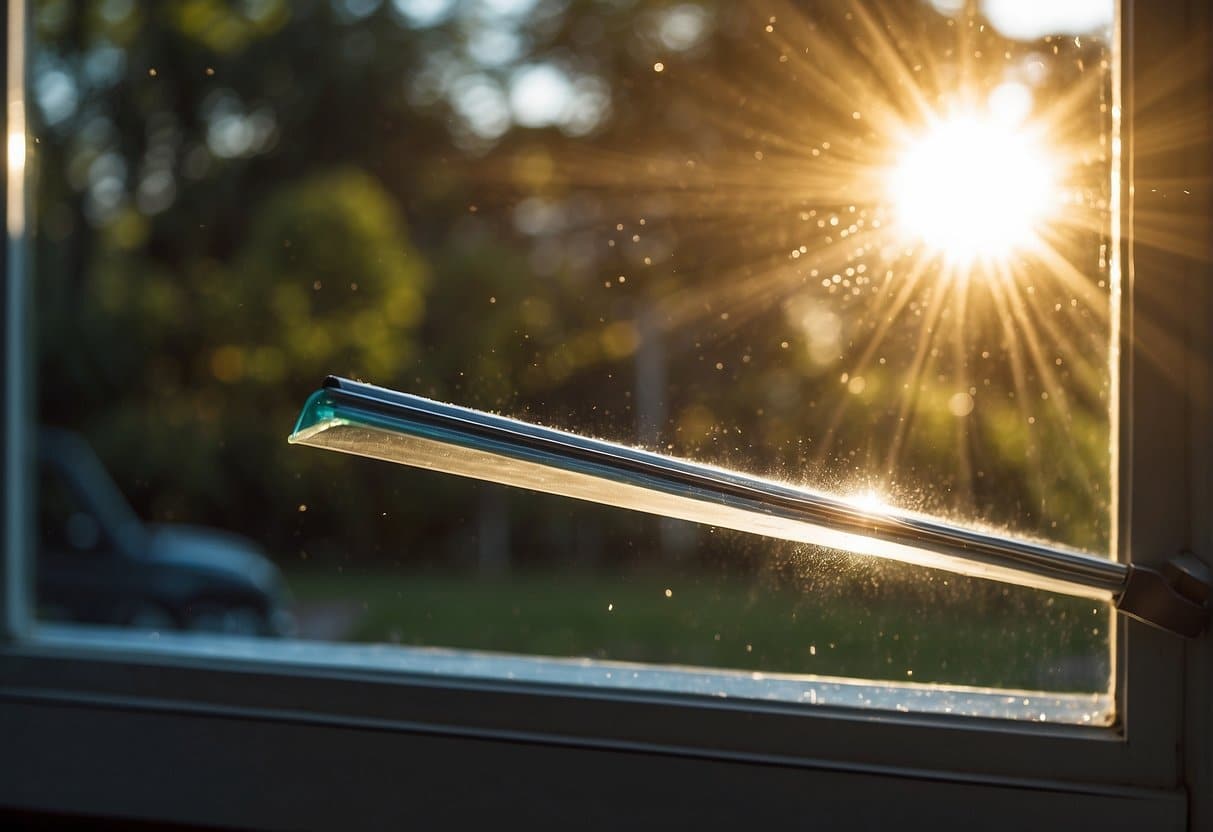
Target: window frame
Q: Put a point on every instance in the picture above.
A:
(1155, 762)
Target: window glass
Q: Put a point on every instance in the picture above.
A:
(862, 246)
(64, 525)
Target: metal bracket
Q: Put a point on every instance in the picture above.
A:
(1175, 598)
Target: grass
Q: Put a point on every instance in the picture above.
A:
(1036, 643)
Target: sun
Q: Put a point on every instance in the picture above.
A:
(973, 187)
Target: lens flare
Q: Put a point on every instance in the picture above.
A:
(933, 213)
(974, 188)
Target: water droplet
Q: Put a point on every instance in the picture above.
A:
(961, 404)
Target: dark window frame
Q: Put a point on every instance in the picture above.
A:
(290, 744)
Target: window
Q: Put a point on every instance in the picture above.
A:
(772, 291)
(55, 679)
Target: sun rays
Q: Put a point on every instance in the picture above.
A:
(910, 184)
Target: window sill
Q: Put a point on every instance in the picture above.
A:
(563, 702)
(590, 676)
(392, 725)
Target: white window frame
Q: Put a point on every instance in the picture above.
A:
(120, 732)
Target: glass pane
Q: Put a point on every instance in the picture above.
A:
(862, 247)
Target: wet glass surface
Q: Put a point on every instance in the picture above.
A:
(861, 247)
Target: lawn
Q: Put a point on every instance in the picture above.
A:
(1045, 644)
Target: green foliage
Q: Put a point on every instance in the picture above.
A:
(326, 281)
(207, 365)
